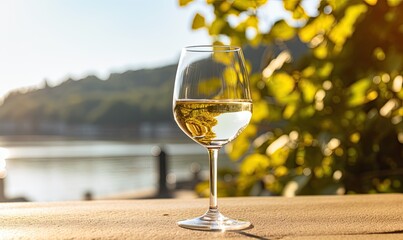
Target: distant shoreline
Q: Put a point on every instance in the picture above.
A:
(152, 131)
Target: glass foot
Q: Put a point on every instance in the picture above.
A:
(213, 220)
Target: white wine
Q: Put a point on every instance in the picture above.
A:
(212, 123)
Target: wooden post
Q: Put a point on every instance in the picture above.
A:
(161, 157)
(2, 195)
(162, 160)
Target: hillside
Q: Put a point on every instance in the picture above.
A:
(124, 100)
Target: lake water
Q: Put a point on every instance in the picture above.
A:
(60, 169)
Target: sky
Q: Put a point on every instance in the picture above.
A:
(58, 39)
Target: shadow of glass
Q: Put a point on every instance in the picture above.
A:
(249, 235)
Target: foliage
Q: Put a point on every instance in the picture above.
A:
(329, 122)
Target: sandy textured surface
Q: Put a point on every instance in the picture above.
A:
(326, 217)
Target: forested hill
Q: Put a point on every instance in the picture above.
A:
(124, 99)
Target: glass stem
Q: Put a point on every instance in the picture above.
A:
(213, 155)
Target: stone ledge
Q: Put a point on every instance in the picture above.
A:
(311, 217)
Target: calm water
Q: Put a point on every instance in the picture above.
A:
(57, 169)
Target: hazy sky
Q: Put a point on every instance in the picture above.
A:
(57, 39)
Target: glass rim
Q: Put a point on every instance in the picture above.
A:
(212, 48)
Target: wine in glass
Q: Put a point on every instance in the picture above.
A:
(212, 105)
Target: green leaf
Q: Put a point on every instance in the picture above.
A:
(254, 163)
(325, 70)
(225, 6)
(321, 24)
(209, 85)
(281, 30)
(252, 21)
(337, 4)
(321, 51)
(371, 2)
(223, 57)
(307, 112)
(357, 92)
(216, 27)
(394, 3)
(294, 96)
(260, 111)
(242, 26)
(237, 148)
(308, 90)
(345, 27)
(291, 5)
(243, 5)
(294, 6)
(299, 13)
(281, 84)
(184, 2)
(309, 71)
(231, 78)
(198, 22)
(289, 110)
(279, 157)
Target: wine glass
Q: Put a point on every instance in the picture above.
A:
(212, 105)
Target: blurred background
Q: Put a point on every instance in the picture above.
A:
(86, 94)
